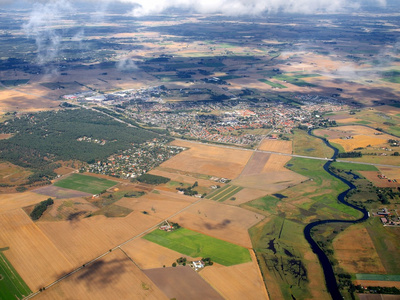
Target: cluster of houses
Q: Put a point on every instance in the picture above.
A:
(386, 217)
(135, 161)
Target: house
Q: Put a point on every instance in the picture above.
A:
(197, 265)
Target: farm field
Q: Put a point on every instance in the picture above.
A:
(356, 252)
(182, 283)
(378, 182)
(242, 281)
(11, 284)
(225, 222)
(149, 255)
(114, 276)
(196, 244)
(59, 192)
(33, 255)
(19, 200)
(205, 159)
(276, 146)
(225, 193)
(246, 195)
(84, 183)
(256, 164)
(359, 141)
(184, 178)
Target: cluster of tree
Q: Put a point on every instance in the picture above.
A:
(350, 154)
(40, 208)
(189, 190)
(386, 194)
(152, 179)
(181, 261)
(378, 290)
(207, 261)
(134, 194)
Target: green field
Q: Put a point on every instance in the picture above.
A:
(11, 284)
(378, 277)
(273, 84)
(84, 183)
(195, 244)
(225, 193)
(267, 203)
(294, 80)
(392, 76)
(354, 167)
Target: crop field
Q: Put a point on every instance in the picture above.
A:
(354, 167)
(149, 255)
(19, 200)
(182, 283)
(59, 192)
(378, 277)
(114, 276)
(242, 281)
(273, 84)
(36, 259)
(356, 252)
(225, 222)
(84, 183)
(255, 164)
(205, 159)
(225, 193)
(196, 244)
(11, 284)
(184, 177)
(276, 146)
(378, 182)
(359, 141)
(246, 195)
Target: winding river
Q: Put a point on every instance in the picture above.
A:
(330, 279)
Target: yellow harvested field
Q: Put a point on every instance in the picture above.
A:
(356, 252)
(242, 281)
(362, 130)
(19, 200)
(359, 141)
(11, 100)
(270, 182)
(114, 276)
(160, 205)
(210, 160)
(347, 120)
(32, 254)
(276, 146)
(176, 176)
(149, 255)
(83, 239)
(246, 195)
(229, 223)
(277, 162)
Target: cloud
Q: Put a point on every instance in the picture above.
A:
(246, 7)
(126, 64)
(41, 24)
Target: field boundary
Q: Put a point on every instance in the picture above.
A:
(378, 277)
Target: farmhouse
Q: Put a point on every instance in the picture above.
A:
(197, 265)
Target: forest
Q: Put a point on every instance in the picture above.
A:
(41, 139)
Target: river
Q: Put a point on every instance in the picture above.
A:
(330, 279)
